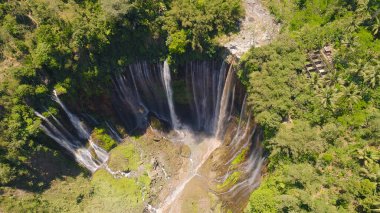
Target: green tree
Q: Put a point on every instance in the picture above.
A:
(349, 95)
(177, 42)
(376, 26)
(297, 142)
(7, 174)
(371, 73)
(328, 97)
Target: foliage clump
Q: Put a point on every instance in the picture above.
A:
(102, 139)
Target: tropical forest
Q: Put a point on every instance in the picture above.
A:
(190, 106)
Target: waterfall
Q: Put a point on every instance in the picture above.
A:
(79, 126)
(147, 89)
(205, 81)
(115, 135)
(141, 90)
(221, 80)
(213, 98)
(72, 144)
(216, 106)
(224, 103)
(58, 133)
(169, 95)
(130, 104)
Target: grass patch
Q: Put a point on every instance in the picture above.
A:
(101, 193)
(19, 201)
(64, 195)
(125, 157)
(68, 195)
(112, 195)
(102, 139)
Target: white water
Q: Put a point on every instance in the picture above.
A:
(222, 117)
(79, 126)
(115, 135)
(142, 90)
(206, 82)
(82, 155)
(221, 81)
(169, 95)
(72, 144)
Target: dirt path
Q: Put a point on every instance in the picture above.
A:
(257, 28)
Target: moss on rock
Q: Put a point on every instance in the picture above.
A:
(102, 139)
(125, 157)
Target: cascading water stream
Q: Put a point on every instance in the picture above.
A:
(221, 81)
(141, 92)
(169, 95)
(222, 116)
(72, 144)
(79, 126)
(211, 145)
(82, 155)
(205, 81)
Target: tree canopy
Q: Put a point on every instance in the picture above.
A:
(319, 131)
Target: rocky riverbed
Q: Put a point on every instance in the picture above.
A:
(256, 29)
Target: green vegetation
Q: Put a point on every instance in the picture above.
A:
(230, 181)
(112, 194)
(75, 47)
(181, 95)
(80, 193)
(103, 193)
(125, 157)
(240, 158)
(102, 139)
(192, 25)
(321, 134)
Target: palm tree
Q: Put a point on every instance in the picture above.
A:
(315, 81)
(350, 95)
(331, 78)
(367, 156)
(353, 26)
(376, 26)
(363, 10)
(371, 73)
(355, 67)
(328, 97)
